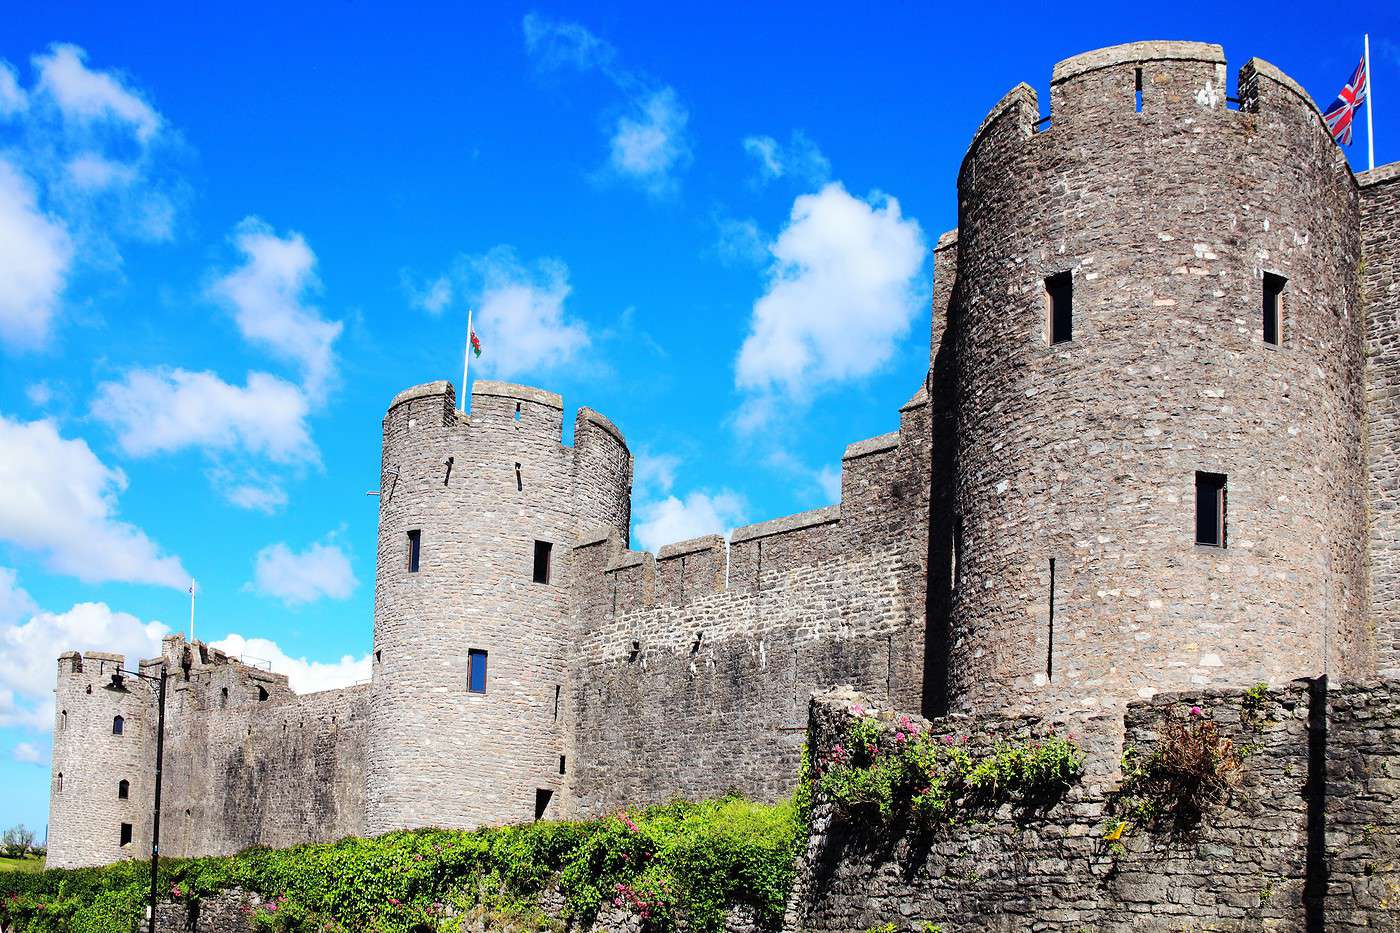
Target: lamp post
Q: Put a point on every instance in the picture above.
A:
(119, 684)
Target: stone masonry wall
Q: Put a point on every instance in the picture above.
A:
(1280, 855)
(1085, 452)
(694, 668)
(1380, 253)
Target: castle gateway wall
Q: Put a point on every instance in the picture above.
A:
(694, 669)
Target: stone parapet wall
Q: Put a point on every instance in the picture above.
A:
(1282, 853)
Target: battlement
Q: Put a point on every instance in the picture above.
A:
(1166, 85)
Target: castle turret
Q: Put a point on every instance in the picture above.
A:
(477, 517)
(104, 741)
(1158, 376)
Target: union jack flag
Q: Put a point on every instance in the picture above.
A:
(1339, 113)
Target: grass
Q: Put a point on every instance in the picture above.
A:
(28, 863)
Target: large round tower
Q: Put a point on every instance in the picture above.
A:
(477, 517)
(1159, 355)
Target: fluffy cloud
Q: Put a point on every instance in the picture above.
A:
(740, 242)
(305, 676)
(88, 96)
(265, 497)
(322, 570)
(26, 753)
(31, 650)
(841, 292)
(156, 411)
(36, 253)
(15, 603)
(13, 99)
(650, 145)
(58, 498)
(654, 472)
(671, 519)
(799, 160)
(432, 297)
(266, 295)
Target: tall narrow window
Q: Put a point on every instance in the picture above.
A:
(118, 725)
(543, 549)
(476, 670)
(63, 721)
(519, 481)
(415, 541)
(517, 411)
(1137, 89)
(543, 796)
(561, 764)
(1059, 307)
(123, 790)
(126, 834)
(556, 701)
(59, 785)
(1273, 308)
(1210, 509)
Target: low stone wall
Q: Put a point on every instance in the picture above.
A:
(1309, 839)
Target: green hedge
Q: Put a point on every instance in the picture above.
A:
(675, 865)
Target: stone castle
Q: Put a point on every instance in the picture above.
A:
(1155, 450)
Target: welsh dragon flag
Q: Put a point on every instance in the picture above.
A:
(475, 344)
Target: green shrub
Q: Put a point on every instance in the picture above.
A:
(676, 865)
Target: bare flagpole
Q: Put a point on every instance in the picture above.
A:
(466, 359)
(1370, 128)
(192, 610)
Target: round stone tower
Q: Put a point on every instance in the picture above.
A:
(102, 784)
(477, 517)
(1159, 356)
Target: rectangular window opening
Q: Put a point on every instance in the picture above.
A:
(519, 481)
(1059, 307)
(543, 796)
(517, 411)
(1050, 632)
(1210, 509)
(126, 834)
(543, 549)
(1273, 308)
(556, 702)
(1137, 89)
(415, 540)
(476, 670)
(561, 764)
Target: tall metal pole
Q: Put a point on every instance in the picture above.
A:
(1370, 130)
(155, 821)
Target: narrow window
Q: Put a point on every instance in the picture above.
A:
(262, 693)
(561, 764)
(123, 790)
(543, 550)
(1273, 308)
(378, 656)
(126, 834)
(415, 538)
(1050, 633)
(543, 796)
(517, 411)
(1059, 307)
(63, 721)
(1210, 509)
(519, 482)
(59, 786)
(476, 670)
(556, 702)
(1137, 89)
(118, 724)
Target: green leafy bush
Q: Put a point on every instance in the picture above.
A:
(878, 771)
(676, 865)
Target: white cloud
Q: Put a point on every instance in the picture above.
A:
(265, 497)
(432, 297)
(39, 394)
(305, 676)
(88, 96)
(26, 753)
(157, 411)
(519, 313)
(35, 255)
(322, 570)
(828, 480)
(841, 292)
(267, 297)
(15, 603)
(653, 472)
(741, 241)
(650, 145)
(31, 652)
(93, 172)
(13, 100)
(668, 520)
(800, 160)
(58, 498)
(556, 43)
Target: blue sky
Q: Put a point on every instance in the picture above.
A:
(229, 236)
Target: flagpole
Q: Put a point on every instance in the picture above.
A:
(466, 360)
(191, 610)
(1370, 129)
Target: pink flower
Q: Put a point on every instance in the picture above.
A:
(1195, 711)
(947, 740)
(857, 709)
(394, 901)
(900, 738)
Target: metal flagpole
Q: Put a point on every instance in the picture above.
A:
(191, 610)
(467, 359)
(1370, 127)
